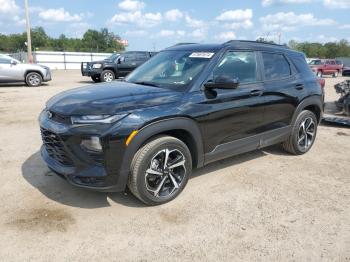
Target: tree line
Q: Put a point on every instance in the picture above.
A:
(327, 50)
(92, 41)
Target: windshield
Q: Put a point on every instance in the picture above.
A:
(315, 62)
(113, 57)
(171, 69)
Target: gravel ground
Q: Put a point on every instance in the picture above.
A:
(261, 206)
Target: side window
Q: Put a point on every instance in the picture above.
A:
(240, 65)
(332, 62)
(276, 66)
(129, 57)
(328, 63)
(142, 56)
(5, 61)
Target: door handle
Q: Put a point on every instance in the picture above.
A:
(299, 87)
(256, 93)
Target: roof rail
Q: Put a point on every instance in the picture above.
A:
(255, 42)
(184, 44)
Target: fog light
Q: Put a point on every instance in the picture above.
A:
(92, 144)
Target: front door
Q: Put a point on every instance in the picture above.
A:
(234, 116)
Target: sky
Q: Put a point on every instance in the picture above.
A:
(157, 24)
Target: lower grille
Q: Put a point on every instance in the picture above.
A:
(55, 148)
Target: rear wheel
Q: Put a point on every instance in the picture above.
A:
(303, 134)
(96, 79)
(107, 76)
(33, 79)
(160, 170)
(319, 74)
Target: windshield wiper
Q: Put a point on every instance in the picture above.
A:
(144, 83)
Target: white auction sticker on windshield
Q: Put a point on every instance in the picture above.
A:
(202, 55)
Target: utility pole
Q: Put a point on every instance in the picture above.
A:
(29, 39)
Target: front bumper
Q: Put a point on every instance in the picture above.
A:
(62, 153)
(47, 76)
(87, 70)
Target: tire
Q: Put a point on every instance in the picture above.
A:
(160, 185)
(107, 76)
(96, 79)
(319, 73)
(295, 144)
(33, 79)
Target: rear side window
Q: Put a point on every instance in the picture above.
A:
(276, 66)
(142, 56)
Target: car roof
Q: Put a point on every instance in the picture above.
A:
(237, 44)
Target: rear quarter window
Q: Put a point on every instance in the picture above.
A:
(276, 66)
(301, 65)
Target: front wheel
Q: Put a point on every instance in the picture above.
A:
(160, 170)
(107, 76)
(33, 79)
(303, 134)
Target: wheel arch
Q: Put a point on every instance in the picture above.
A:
(182, 128)
(33, 71)
(313, 104)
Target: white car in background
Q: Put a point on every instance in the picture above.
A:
(12, 70)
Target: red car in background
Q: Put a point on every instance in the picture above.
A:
(323, 67)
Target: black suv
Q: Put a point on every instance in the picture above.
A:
(186, 107)
(115, 66)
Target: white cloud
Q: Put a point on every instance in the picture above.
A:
(345, 26)
(235, 19)
(199, 33)
(8, 7)
(191, 22)
(334, 4)
(235, 15)
(136, 18)
(326, 39)
(290, 21)
(272, 2)
(225, 36)
(168, 33)
(136, 33)
(131, 5)
(173, 15)
(59, 15)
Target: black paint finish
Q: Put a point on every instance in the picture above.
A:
(213, 123)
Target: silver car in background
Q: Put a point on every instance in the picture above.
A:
(12, 70)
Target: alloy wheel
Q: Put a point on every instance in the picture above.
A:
(306, 134)
(108, 77)
(165, 173)
(34, 80)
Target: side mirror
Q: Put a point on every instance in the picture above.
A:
(222, 82)
(121, 60)
(13, 62)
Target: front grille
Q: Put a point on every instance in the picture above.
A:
(55, 148)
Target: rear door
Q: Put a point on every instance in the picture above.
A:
(141, 57)
(283, 90)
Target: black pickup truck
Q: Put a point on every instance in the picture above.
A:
(115, 66)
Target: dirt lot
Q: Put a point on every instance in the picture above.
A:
(261, 206)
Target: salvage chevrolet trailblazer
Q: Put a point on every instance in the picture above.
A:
(188, 106)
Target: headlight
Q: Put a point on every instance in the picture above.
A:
(97, 119)
(96, 66)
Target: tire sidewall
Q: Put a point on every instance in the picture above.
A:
(105, 72)
(33, 73)
(302, 116)
(171, 144)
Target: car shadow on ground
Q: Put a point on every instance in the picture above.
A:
(36, 173)
(20, 84)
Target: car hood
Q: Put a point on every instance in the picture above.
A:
(110, 98)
